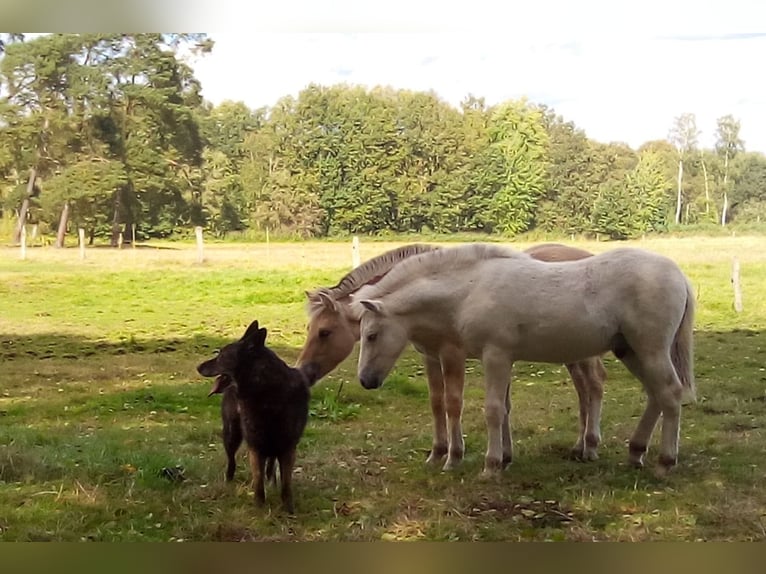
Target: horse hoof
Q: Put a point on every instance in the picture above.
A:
(666, 465)
(636, 462)
(589, 455)
(489, 474)
(435, 459)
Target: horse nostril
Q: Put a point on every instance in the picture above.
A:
(369, 382)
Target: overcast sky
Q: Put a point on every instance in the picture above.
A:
(620, 70)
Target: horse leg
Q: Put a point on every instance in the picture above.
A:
(497, 376)
(453, 370)
(507, 441)
(667, 390)
(588, 377)
(438, 410)
(578, 378)
(663, 390)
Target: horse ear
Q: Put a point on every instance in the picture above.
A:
(373, 305)
(327, 300)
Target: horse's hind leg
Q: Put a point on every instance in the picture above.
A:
(663, 389)
(453, 369)
(588, 377)
(438, 410)
(507, 439)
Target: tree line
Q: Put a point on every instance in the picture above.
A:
(109, 132)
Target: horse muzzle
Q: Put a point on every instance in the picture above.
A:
(370, 381)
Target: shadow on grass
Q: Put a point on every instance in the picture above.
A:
(68, 346)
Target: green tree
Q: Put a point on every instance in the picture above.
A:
(638, 204)
(518, 153)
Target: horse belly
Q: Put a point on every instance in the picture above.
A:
(556, 345)
(548, 339)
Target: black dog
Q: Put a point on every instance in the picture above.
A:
(268, 405)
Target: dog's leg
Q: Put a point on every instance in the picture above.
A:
(257, 464)
(232, 439)
(286, 463)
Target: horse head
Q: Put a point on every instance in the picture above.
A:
(331, 334)
(383, 339)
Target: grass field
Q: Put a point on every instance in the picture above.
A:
(107, 434)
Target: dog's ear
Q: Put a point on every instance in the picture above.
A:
(260, 338)
(252, 330)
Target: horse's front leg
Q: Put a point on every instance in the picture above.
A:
(497, 377)
(436, 395)
(453, 369)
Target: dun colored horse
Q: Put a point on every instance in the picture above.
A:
(333, 332)
(501, 306)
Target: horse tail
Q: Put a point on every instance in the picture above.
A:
(682, 350)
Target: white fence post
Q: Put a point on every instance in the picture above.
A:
(81, 235)
(23, 238)
(736, 285)
(200, 246)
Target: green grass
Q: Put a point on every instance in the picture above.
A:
(107, 433)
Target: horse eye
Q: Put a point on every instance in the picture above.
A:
(372, 336)
(324, 333)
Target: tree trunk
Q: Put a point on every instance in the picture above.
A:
(678, 196)
(707, 187)
(61, 234)
(25, 205)
(725, 189)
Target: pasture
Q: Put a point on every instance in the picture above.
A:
(107, 433)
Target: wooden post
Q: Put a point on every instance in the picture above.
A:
(133, 231)
(200, 246)
(355, 261)
(81, 235)
(120, 239)
(23, 239)
(736, 285)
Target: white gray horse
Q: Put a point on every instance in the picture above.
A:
(501, 306)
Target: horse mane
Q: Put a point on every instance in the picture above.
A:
(453, 258)
(367, 273)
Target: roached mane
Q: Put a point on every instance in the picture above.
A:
(367, 273)
(453, 258)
